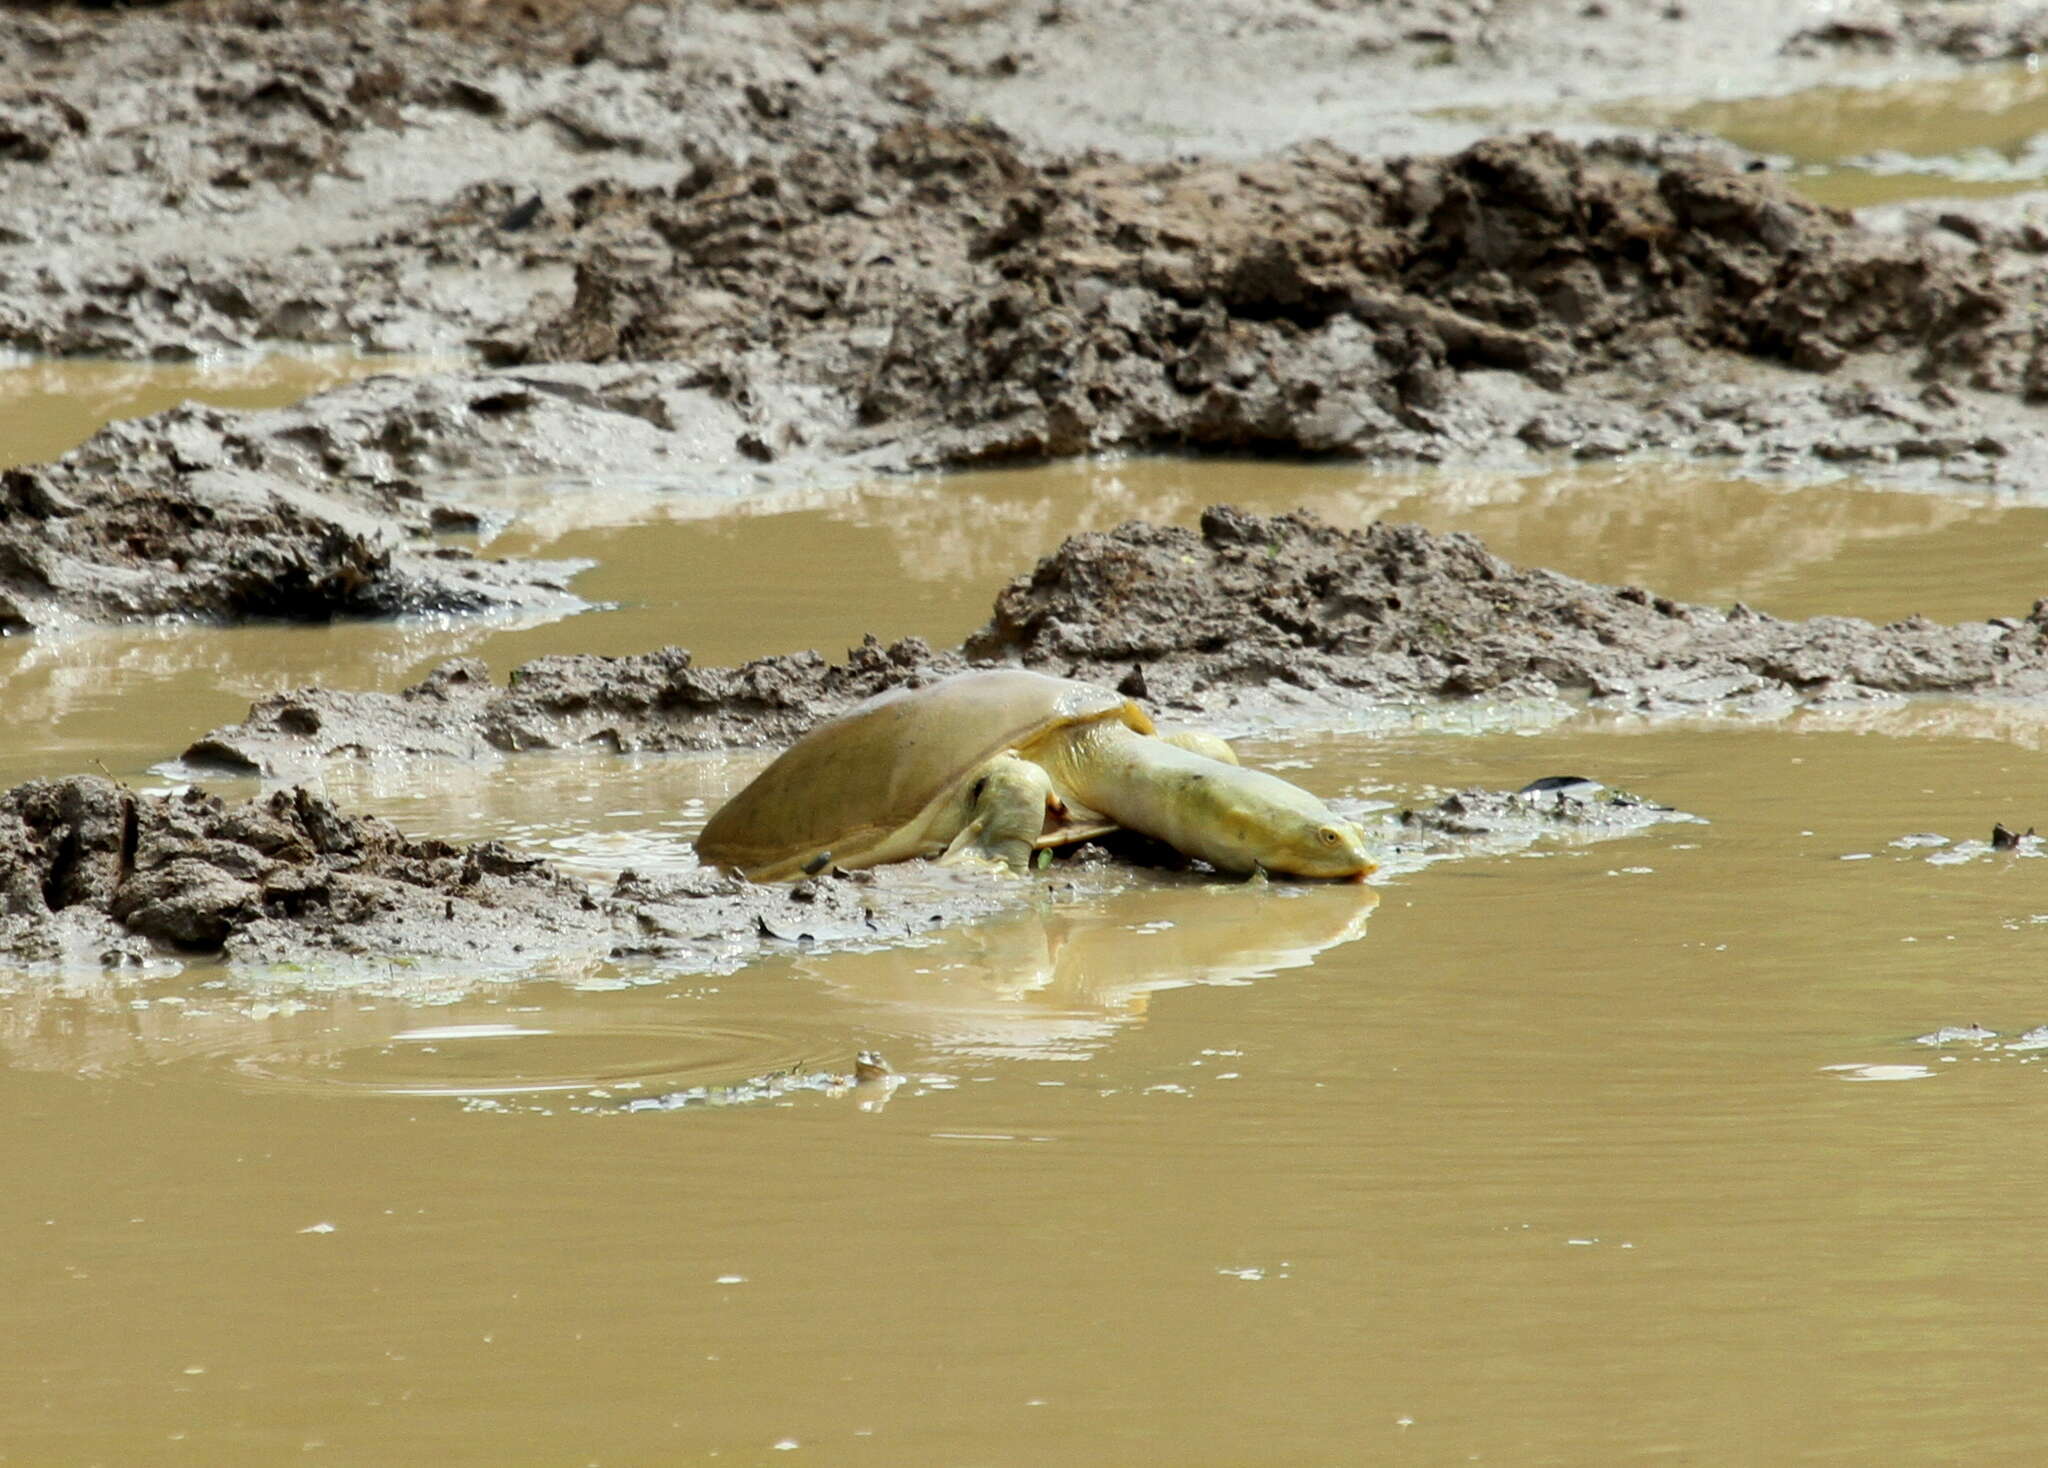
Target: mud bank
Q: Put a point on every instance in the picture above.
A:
(718, 245)
(330, 507)
(224, 545)
(1249, 615)
(190, 177)
(94, 875)
(937, 298)
(946, 298)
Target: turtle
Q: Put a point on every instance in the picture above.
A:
(991, 765)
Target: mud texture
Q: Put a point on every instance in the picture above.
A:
(94, 875)
(757, 241)
(954, 301)
(194, 176)
(1269, 616)
(652, 702)
(225, 545)
(721, 244)
(1396, 612)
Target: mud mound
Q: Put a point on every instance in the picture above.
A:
(92, 873)
(319, 510)
(1396, 612)
(226, 545)
(1248, 611)
(195, 873)
(950, 295)
(658, 701)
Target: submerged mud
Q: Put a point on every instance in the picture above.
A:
(1264, 614)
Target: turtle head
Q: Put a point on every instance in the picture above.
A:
(1246, 820)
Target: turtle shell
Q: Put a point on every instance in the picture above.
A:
(869, 782)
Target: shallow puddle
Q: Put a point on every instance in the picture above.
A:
(1984, 131)
(821, 569)
(1208, 1174)
(1585, 1153)
(49, 408)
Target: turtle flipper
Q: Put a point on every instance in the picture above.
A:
(1006, 813)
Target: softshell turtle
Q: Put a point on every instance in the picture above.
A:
(992, 765)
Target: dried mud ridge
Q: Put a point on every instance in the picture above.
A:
(721, 244)
(1248, 614)
(94, 875)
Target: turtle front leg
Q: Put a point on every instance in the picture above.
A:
(1006, 808)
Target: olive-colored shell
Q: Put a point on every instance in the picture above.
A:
(854, 782)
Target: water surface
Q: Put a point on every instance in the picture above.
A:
(1981, 132)
(1588, 1153)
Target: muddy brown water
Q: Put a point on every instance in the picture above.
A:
(1975, 134)
(50, 407)
(1590, 1154)
(1981, 132)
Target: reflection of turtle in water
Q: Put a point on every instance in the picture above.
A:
(871, 1075)
(989, 766)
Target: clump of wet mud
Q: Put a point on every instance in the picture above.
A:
(1465, 822)
(649, 702)
(225, 545)
(92, 873)
(324, 509)
(946, 294)
(1397, 612)
(1272, 614)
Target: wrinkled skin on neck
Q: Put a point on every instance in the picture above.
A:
(1235, 819)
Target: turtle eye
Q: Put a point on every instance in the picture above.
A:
(1329, 836)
